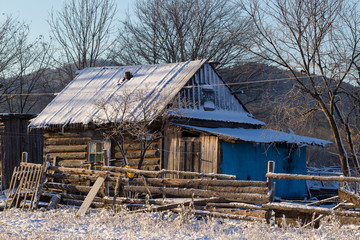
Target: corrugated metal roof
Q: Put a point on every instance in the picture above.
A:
(260, 135)
(79, 101)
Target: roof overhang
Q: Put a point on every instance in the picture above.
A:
(258, 135)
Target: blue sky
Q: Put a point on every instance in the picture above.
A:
(36, 12)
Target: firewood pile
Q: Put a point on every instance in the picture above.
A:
(141, 190)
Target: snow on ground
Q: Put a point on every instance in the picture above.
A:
(104, 224)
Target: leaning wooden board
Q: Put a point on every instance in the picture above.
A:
(91, 195)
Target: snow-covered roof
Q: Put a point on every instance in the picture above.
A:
(221, 115)
(77, 103)
(260, 135)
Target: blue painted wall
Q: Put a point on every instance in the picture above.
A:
(248, 161)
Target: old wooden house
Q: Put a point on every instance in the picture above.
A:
(209, 129)
(16, 138)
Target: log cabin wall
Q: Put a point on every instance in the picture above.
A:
(71, 149)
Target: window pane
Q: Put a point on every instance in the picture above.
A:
(92, 158)
(98, 158)
(92, 147)
(98, 147)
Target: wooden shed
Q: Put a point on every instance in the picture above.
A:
(202, 118)
(15, 138)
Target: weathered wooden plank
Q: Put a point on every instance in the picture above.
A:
(90, 197)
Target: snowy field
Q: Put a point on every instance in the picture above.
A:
(104, 224)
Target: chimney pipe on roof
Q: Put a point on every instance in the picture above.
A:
(128, 76)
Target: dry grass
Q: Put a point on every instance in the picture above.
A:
(103, 224)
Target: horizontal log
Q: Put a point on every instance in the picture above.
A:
(147, 161)
(78, 178)
(164, 171)
(238, 197)
(185, 203)
(67, 141)
(197, 182)
(77, 163)
(251, 213)
(67, 187)
(24, 164)
(298, 208)
(222, 215)
(137, 146)
(261, 190)
(69, 133)
(73, 202)
(349, 220)
(334, 198)
(70, 155)
(235, 205)
(66, 148)
(312, 177)
(81, 171)
(131, 154)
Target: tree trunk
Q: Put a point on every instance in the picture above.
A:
(336, 133)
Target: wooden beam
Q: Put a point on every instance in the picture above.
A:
(312, 177)
(238, 197)
(90, 197)
(164, 171)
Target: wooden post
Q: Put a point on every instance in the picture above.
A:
(271, 169)
(269, 180)
(24, 157)
(106, 163)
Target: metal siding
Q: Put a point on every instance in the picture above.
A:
(248, 161)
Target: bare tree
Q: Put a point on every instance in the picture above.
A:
(83, 30)
(317, 42)
(22, 64)
(11, 30)
(132, 115)
(28, 74)
(181, 30)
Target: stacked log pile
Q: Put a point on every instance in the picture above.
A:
(206, 194)
(199, 193)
